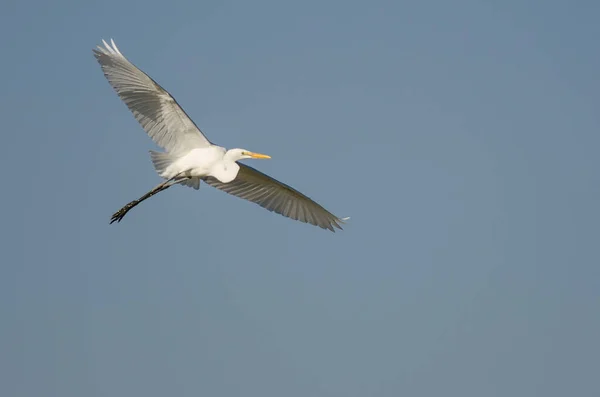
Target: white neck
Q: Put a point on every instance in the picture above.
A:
(226, 171)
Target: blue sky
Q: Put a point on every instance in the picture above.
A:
(461, 137)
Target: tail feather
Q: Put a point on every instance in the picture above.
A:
(194, 183)
(161, 161)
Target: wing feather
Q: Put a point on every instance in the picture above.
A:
(252, 185)
(153, 107)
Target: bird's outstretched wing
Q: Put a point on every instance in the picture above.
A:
(153, 107)
(252, 185)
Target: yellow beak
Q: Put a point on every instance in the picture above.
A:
(258, 155)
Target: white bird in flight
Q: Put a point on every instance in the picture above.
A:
(190, 157)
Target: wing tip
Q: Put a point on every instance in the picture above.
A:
(109, 49)
(337, 223)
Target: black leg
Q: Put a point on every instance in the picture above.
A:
(120, 214)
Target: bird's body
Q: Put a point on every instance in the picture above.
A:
(202, 162)
(190, 157)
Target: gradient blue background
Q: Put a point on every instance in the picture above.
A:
(461, 137)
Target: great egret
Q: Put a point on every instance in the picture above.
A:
(190, 157)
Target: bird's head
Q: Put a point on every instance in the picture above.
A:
(241, 154)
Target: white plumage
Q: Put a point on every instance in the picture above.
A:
(190, 157)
